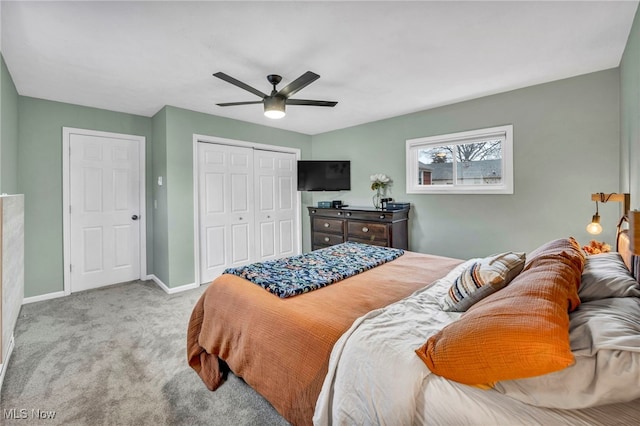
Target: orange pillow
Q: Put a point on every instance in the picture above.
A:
(567, 246)
(520, 331)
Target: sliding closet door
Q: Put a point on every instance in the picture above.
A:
(276, 218)
(248, 208)
(226, 208)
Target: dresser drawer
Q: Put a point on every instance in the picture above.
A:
(322, 239)
(321, 224)
(367, 230)
(380, 216)
(373, 241)
(332, 213)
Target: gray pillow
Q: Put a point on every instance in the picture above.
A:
(605, 275)
(605, 340)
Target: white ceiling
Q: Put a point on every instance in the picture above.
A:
(377, 59)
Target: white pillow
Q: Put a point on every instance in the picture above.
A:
(605, 339)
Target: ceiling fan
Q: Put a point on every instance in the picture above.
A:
(275, 103)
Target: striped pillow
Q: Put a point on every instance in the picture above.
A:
(482, 278)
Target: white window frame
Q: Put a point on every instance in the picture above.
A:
(505, 133)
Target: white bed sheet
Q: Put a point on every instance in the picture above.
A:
(443, 402)
(402, 391)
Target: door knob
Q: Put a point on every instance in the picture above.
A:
(134, 217)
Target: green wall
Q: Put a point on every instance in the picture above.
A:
(170, 254)
(40, 124)
(158, 194)
(565, 141)
(566, 146)
(181, 124)
(8, 132)
(630, 115)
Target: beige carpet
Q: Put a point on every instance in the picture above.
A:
(117, 356)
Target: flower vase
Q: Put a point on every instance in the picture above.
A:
(377, 199)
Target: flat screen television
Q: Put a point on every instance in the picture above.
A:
(324, 175)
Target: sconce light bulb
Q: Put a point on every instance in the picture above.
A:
(594, 227)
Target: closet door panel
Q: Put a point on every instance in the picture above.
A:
(226, 208)
(275, 214)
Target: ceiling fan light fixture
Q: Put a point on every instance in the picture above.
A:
(276, 102)
(274, 107)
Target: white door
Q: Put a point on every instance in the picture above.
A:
(104, 179)
(226, 211)
(275, 177)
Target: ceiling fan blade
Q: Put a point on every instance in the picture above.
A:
(300, 83)
(238, 83)
(239, 103)
(312, 103)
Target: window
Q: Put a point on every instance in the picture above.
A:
(474, 162)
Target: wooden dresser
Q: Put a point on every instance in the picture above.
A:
(331, 226)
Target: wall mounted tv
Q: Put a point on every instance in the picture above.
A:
(324, 175)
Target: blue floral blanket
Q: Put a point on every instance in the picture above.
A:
(309, 271)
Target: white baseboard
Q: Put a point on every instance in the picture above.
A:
(163, 286)
(42, 297)
(171, 290)
(6, 357)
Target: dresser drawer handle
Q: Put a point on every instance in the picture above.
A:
(365, 229)
(313, 211)
(326, 239)
(326, 224)
(339, 213)
(381, 216)
(348, 213)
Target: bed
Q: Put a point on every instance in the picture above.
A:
(349, 353)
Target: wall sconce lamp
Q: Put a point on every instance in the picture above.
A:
(594, 227)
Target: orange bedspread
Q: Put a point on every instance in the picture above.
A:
(281, 347)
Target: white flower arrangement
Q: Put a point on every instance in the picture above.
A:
(379, 181)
